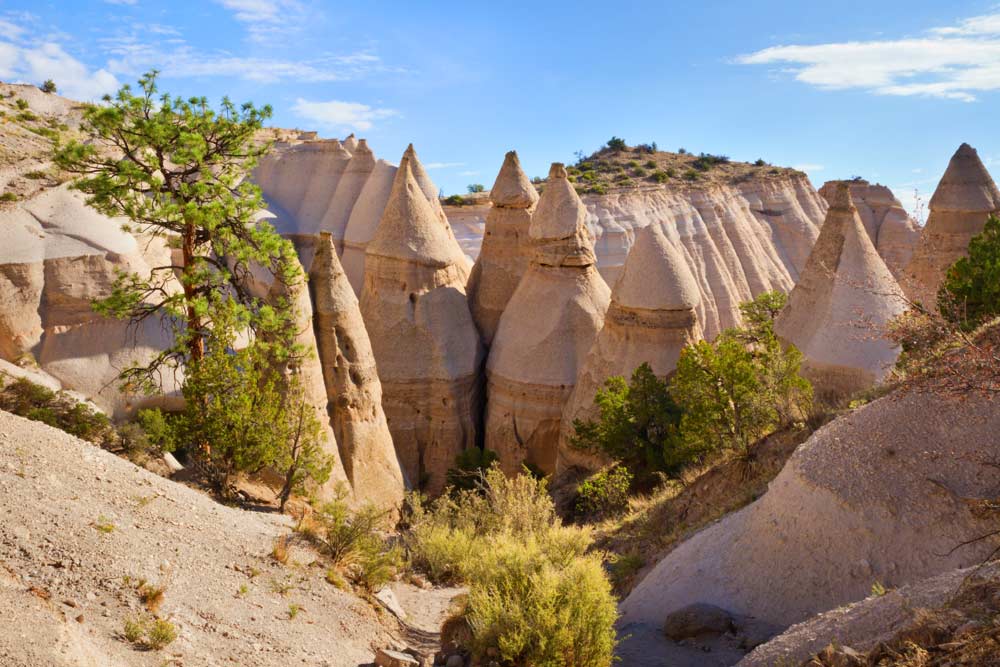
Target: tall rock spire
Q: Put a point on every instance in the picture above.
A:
(348, 190)
(352, 383)
(965, 197)
(425, 343)
(503, 258)
(652, 318)
(310, 374)
(364, 221)
(837, 312)
(545, 332)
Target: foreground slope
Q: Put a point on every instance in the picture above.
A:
(56, 490)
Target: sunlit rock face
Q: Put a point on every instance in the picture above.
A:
(838, 311)
(652, 317)
(352, 383)
(545, 332)
(426, 346)
(965, 197)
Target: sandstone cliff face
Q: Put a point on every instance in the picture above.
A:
(891, 229)
(58, 256)
(352, 384)
(545, 332)
(738, 239)
(861, 501)
(650, 320)
(505, 251)
(965, 197)
(425, 342)
(837, 312)
(309, 372)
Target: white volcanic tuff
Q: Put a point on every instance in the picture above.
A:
(309, 371)
(545, 332)
(348, 190)
(352, 384)
(738, 240)
(322, 184)
(837, 312)
(425, 343)
(893, 232)
(58, 257)
(859, 502)
(963, 200)
(364, 221)
(505, 246)
(650, 320)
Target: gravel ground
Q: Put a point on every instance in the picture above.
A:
(82, 527)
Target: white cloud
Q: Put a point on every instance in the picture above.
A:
(338, 114)
(266, 19)
(9, 30)
(49, 61)
(809, 167)
(468, 173)
(443, 165)
(954, 62)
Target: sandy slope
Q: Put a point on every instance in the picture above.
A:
(55, 488)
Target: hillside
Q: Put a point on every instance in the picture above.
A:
(83, 527)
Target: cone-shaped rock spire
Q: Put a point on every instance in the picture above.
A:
(352, 383)
(652, 318)
(350, 143)
(503, 258)
(965, 197)
(545, 332)
(364, 221)
(310, 374)
(425, 343)
(349, 187)
(837, 312)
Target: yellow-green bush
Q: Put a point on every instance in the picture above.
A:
(535, 596)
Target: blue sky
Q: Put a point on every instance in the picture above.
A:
(884, 90)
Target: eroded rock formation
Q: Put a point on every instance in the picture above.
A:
(425, 342)
(364, 221)
(309, 372)
(891, 229)
(545, 332)
(650, 320)
(963, 200)
(837, 313)
(504, 255)
(874, 496)
(352, 383)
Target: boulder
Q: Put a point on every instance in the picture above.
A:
(698, 620)
(652, 317)
(504, 255)
(838, 311)
(965, 197)
(545, 332)
(353, 389)
(425, 343)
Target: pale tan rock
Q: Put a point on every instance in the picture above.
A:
(545, 332)
(891, 229)
(650, 320)
(838, 311)
(352, 384)
(364, 221)
(425, 343)
(348, 190)
(504, 256)
(874, 496)
(309, 372)
(965, 197)
(350, 143)
(322, 185)
(738, 239)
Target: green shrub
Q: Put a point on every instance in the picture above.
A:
(158, 429)
(470, 466)
(36, 175)
(970, 293)
(660, 176)
(651, 164)
(21, 104)
(598, 190)
(691, 175)
(27, 117)
(49, 86)
(639, 172)
(671, 172)
(535, 596)
(8, 197)
(454, 200)
(617, 144)
(604, 493)
(27, 399)
(377, 565)
(633, 163)
(346, 534)
(706, 161)
(150, 633)
(473, 188)
(760, 163)
(638, 426)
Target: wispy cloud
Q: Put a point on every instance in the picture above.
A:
(951, 62)
(443, 165)
(266, 19)
(468, 173)
(809, 167)
(341, 115)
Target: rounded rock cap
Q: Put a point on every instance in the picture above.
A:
(966, 185)
(560, 212)
(655, 276)
(512, 188)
